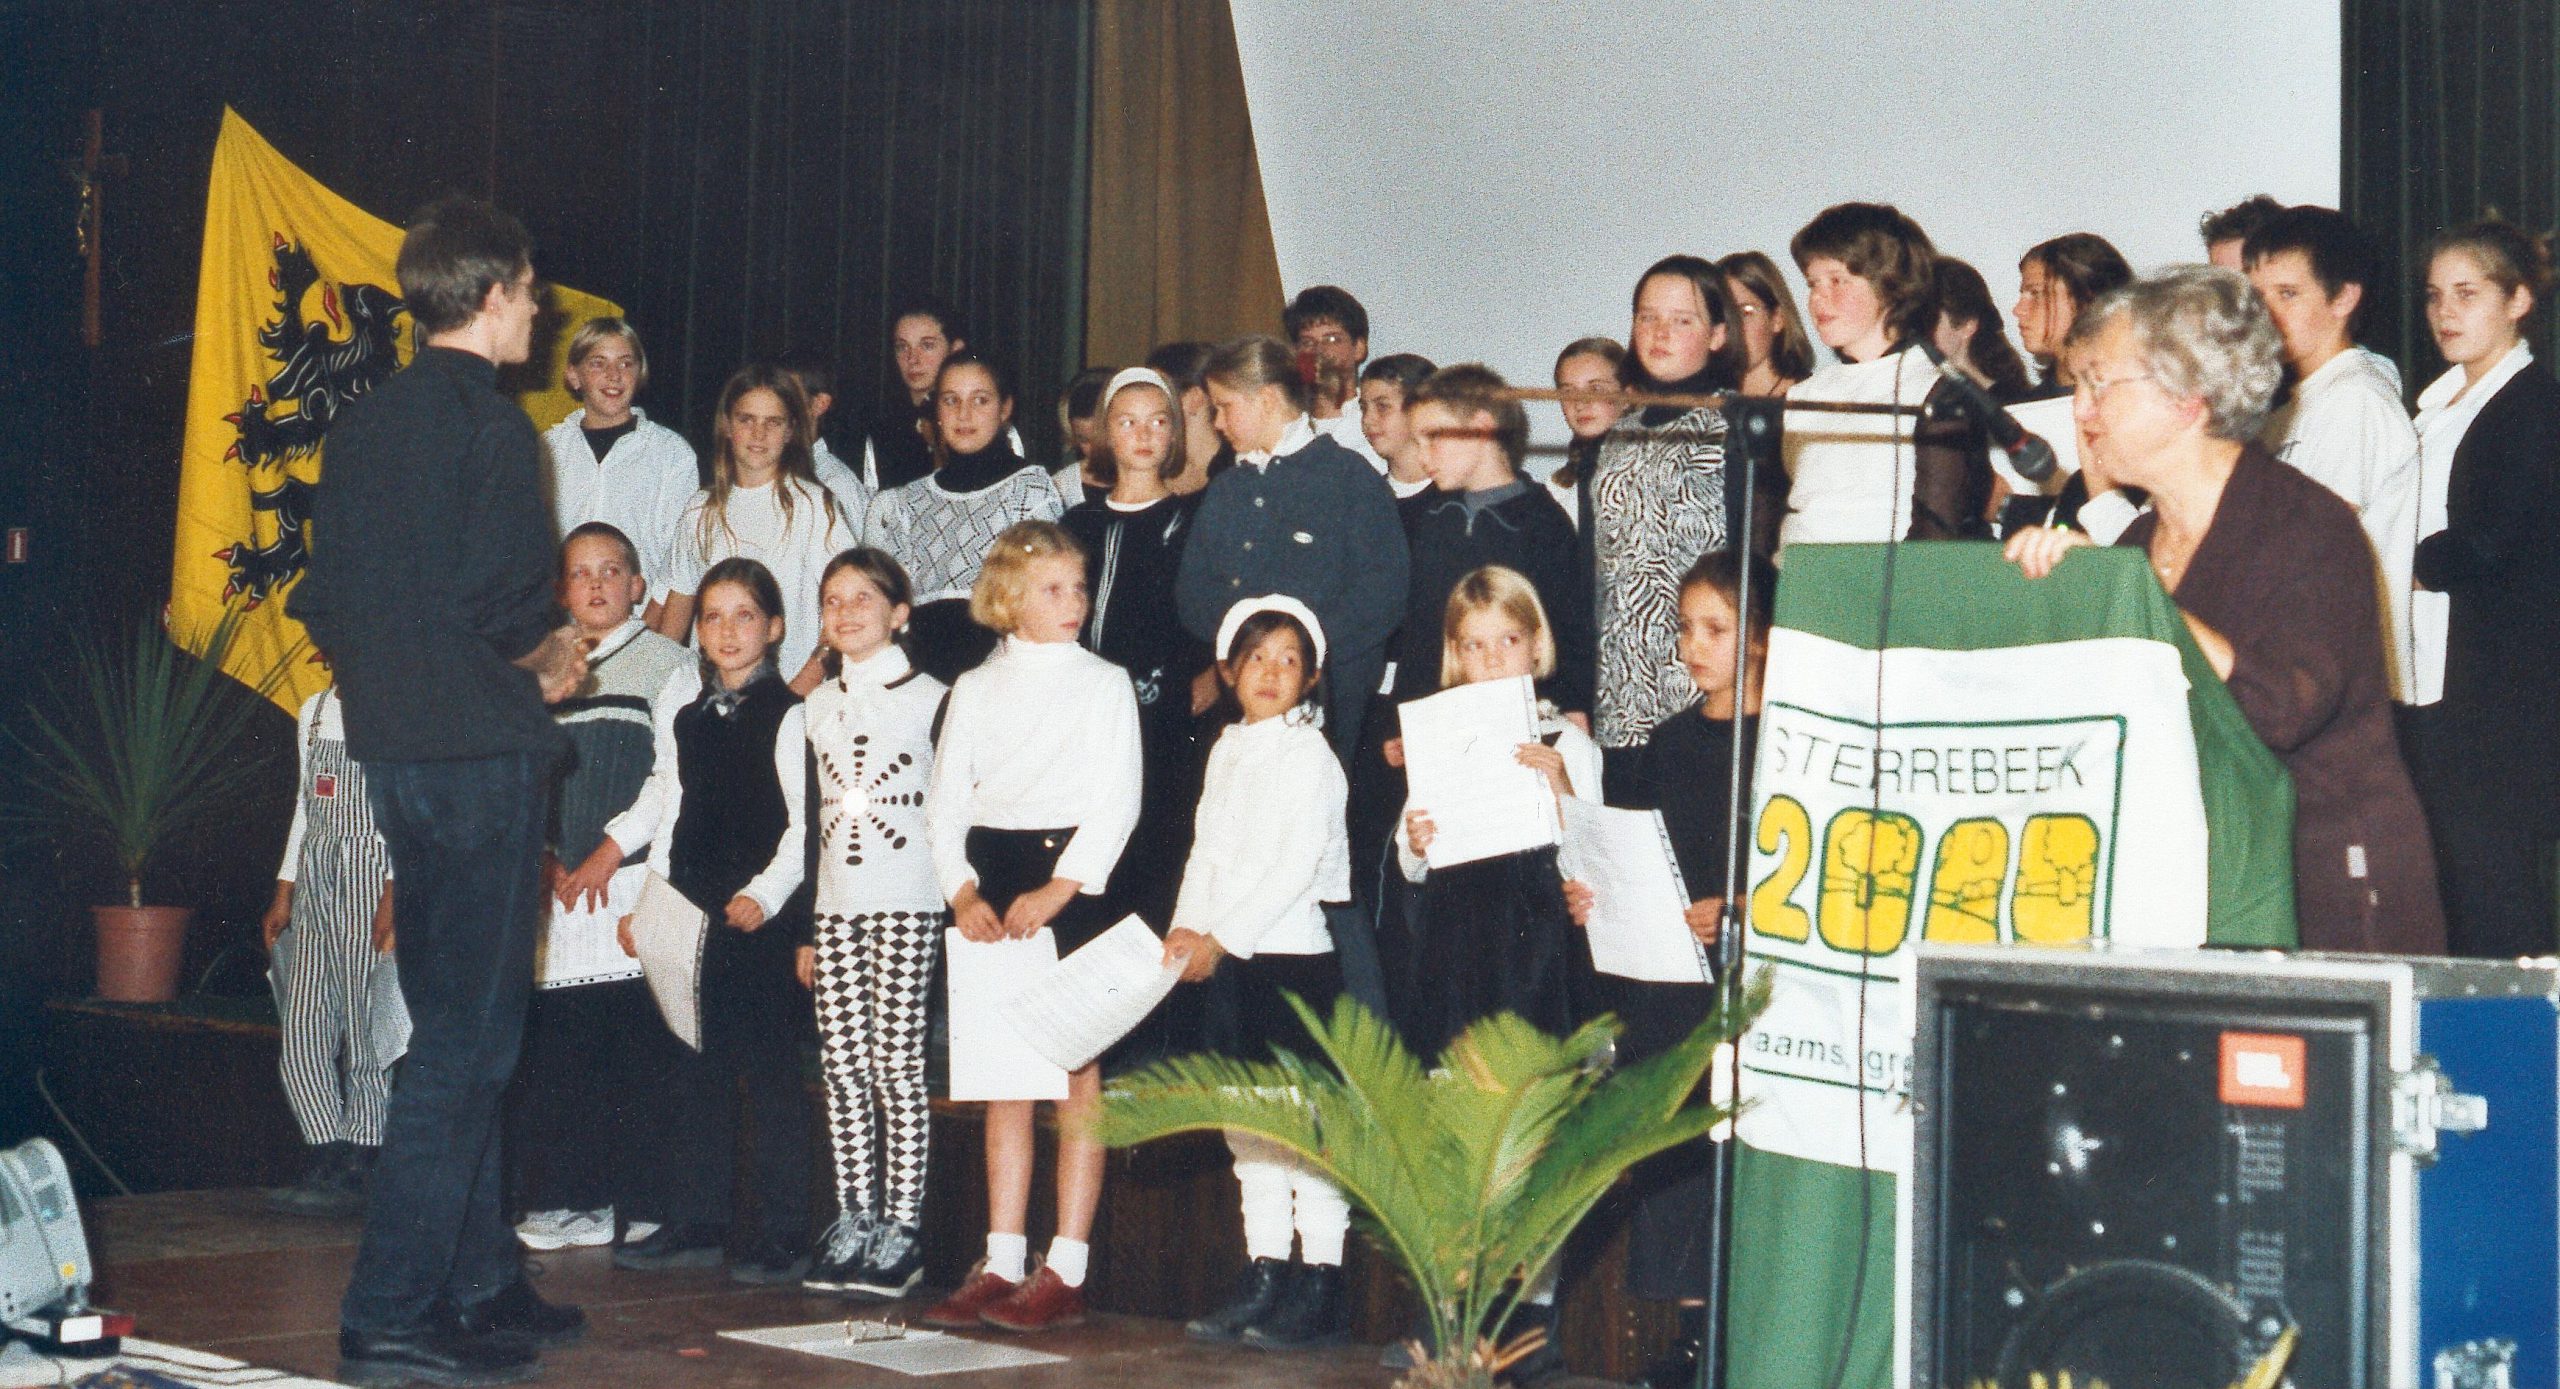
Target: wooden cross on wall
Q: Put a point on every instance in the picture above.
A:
(91, 172)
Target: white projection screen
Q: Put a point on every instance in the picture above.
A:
(1489, 176)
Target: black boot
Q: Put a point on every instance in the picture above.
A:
(1263, 1280)
(520, 1312)
(1311, 1311)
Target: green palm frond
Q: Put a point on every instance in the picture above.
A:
(136, 742)
(1471, 1176)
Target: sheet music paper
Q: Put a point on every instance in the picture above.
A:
(1095, 996)
(1461, 758)
(989, 1058)
(917, 1352)
(388, 1009)
(668, 931)
(580, 944)
(2051, 421)
(1638, 927)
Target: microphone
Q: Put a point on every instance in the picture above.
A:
(2030, 455)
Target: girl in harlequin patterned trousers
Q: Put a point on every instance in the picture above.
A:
(880, 916)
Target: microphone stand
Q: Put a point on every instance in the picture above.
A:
(1754, 428)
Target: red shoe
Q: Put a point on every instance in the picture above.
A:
(1044, 1302)
(976, 1293)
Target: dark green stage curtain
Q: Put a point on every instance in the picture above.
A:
(2451, 109)
(751, 176)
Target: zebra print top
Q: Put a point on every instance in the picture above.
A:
(1657, 504)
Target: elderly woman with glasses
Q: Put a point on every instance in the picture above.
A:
(2173, 376)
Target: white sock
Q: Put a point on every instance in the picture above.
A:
(1262, 1178)
(1323, 1217)
(1542, 1289)
(1006, 1255)
(1067, 1260)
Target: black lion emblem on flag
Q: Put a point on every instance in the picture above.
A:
(320, 365)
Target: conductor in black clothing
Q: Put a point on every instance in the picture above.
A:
(430, 587)
(2486, 756)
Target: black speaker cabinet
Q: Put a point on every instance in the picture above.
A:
(2142, 1167)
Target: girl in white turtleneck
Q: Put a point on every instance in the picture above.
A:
(871, 726)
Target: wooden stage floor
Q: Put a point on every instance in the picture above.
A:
(214, 1271)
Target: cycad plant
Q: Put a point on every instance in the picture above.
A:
(1471, 1175)
(137, 744)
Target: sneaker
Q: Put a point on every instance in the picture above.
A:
(541, 1229)
(894, 1263)
(768, 1263)
(976, 1293)
(1263, 1280)
(842, 1251)
(324, 1191)
(587, 1229)
(1043, 1302)
(672, 1246)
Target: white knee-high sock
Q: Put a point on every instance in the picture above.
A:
(1263, 1172)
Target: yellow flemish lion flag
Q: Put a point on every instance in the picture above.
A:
(297, 312)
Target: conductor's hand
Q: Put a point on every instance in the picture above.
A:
(585, 885)
(2037, 549)
(1038, 907)
(975, 919)
(559, 664)
(279, 914)
(1704, 917)
(1578, 901)
(1198, 954)
(744, 913)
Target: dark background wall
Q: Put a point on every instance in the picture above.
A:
(745, 176)
(2452, 109)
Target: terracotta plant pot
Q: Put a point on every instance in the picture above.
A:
(139, 951)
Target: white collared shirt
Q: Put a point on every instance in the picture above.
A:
(2349, 433)
(2446, 409)
(1299, 433)
(640, 486)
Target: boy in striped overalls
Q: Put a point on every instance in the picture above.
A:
(327, 930)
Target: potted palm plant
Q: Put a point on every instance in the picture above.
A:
(1469, 1176)
(133, 747)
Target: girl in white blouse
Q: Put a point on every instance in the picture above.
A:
(1270, 850)
(1035, 789)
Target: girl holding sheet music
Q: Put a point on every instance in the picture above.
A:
(1494, 935)
(879, 921)
(1269, 851)
(720, 816)
(1034, 793)
(1685, 774)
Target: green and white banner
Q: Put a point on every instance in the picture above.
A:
(1986, 758)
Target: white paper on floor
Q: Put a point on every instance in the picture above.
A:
(22, 1368)
(918, 1352)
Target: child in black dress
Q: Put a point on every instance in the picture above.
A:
(1684, 772)
(721, 818)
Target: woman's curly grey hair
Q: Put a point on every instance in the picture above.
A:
(2203, 334)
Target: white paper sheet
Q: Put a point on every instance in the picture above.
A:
(22, 1368)
(668, 930)
(989, 1058)
(1461, 758)
(1095, 996)
(919, 1352)
(1637, 927)
(579, 945)
(2051, 421)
